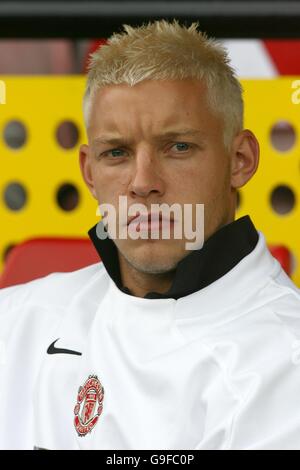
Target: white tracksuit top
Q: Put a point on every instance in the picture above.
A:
(217, 369)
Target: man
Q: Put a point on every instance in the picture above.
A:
(158, 346)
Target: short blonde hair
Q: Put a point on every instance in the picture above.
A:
(163, 50)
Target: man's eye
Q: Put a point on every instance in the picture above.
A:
(182, 146)
(114, 152)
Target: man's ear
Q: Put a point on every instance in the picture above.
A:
(244, 158)
(86, 168)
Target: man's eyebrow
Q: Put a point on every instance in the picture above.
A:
(170, 134)
(179, 132)
(109, 140)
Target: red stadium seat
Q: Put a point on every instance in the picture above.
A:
(41, 256)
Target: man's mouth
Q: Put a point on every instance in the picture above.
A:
(153, 220)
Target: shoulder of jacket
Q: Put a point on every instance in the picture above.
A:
(286, 287)
(53, 289)
(285, 304)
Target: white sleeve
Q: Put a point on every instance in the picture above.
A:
(25, 330)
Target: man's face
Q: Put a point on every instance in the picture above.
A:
(150, 167)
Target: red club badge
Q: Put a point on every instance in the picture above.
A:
(89, 405)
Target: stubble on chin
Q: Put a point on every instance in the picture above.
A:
(150, 261)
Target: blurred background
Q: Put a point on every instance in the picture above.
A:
(45, 208)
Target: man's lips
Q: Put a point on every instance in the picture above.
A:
(149, 220)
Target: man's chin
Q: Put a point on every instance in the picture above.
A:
(153, 259)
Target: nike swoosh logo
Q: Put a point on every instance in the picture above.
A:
(53, 350)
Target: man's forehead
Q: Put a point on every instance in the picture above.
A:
(157, 116)
(152, 83)
(147, 92)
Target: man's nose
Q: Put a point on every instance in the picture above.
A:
(146, 176)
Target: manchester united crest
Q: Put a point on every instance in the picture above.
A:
(89, 405)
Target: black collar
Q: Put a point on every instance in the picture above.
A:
(219, 254)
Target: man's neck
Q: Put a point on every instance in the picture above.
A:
(140, 283)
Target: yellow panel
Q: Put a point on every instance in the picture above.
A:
(266, 103)
(41, 165)
(42, 103)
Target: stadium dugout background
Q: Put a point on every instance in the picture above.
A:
(45, 213)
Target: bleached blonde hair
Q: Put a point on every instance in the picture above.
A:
(163, 50)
